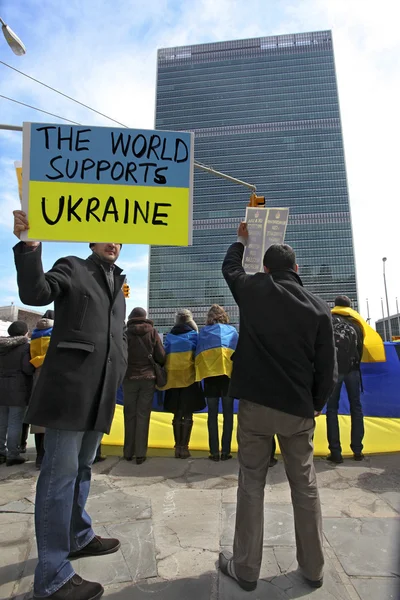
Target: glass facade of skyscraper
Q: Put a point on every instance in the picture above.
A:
(265, 111)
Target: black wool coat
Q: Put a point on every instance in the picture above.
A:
(16, 371)
(87, 356)
(285, 357)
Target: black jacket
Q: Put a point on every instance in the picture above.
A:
(87, 356)
(16, 371)
(285, 358)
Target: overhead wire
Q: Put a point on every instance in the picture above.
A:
(62, 94)
(39, 109)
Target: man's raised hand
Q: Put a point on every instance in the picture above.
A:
(243, 232)
(20, 225)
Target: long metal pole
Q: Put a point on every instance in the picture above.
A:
(387, 300)
(383, 320)
(398, 316)
(224, 176)
(368, 317)
(196, 164)
(11, 127)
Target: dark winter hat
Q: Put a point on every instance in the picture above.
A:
(49, 314)
(138, 313)
(18, 328)
(343, 301)
(184, 317)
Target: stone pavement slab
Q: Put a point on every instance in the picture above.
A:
(378, 588)
(365, 546)
(115, 506)
(278, 525)
(195, 588)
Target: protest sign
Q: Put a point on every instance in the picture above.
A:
(103, 184)
(266, 226)
(18, 170)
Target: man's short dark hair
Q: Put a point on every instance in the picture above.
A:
(280, 257)
(343, 301)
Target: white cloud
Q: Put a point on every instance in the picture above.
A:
(106, 57)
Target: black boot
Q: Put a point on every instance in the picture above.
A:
(24, 438)
(186, 433)
(177, 425)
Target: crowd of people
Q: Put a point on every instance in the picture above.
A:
(282, 367)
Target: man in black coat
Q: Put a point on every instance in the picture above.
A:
(16, 375)
(284, 369)
(74, 399)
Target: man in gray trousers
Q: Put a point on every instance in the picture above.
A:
(284, 370)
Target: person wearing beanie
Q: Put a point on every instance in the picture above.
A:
(74, 399)
(215, 348)
(140, 382)
(16, 374)
(40, 341)
(183, 395)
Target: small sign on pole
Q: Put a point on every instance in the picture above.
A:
(100, 184)
(266, 226)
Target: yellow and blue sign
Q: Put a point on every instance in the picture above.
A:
(104, 184)
(214, 351)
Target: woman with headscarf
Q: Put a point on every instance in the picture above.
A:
(183, 395)
(40, 341)
(217, 343)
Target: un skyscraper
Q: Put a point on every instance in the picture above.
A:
(266, 111)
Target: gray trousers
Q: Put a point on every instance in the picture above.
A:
(256, 427)
(138, 400)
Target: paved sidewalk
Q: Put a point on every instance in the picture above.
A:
(173, 517)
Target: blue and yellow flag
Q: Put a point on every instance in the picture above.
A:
(214, 351)
(179, 364)
(39, 345)
(374, 350)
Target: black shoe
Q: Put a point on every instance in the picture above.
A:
(99, 459)
(2, 459)
(337, 459)
(315, 583)
(128, 458)
(140, 460)
(76, 588)
(214, 457)
(225, 565)
(226, 456)
(97, 547)
(10, 462)
(38, 464)
(22, 449)
(273, 461)
(358, 456)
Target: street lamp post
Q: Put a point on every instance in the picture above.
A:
(383, 321)
(398, 316)
(368, 317)
(12, 39)
(387, 299)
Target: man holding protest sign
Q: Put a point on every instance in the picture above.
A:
(284, 370)
(74, 399)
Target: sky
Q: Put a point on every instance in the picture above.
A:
(104, 52)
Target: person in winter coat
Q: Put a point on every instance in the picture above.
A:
(284, 370)
(40, 341)
(216, 345)
(140, 383)
(183, 395)
(16, 374)
(74, 399)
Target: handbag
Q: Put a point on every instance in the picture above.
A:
(160, 372)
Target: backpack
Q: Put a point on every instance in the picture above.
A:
(345, 336)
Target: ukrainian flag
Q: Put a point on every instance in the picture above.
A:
(374, 350)
(179, 363)
(214, 351)
(40, 341)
